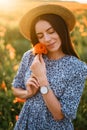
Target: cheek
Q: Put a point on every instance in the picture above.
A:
(41, 41)
(59, 41)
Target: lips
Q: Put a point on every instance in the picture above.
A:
(51, 45)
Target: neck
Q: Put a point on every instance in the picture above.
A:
(55, 55)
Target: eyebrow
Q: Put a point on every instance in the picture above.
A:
(46, 30)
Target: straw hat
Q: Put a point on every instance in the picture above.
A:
(27, 19)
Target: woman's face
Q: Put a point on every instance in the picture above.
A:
(48, 36)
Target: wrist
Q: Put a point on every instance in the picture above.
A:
(43, 82)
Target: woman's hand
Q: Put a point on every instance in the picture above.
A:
(32, 86)
(38, 68)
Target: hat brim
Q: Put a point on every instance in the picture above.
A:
(27, 19)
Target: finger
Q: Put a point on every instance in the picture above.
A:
(29, 84)
(36, 57)
(32, 81)
(41, 58)
(35, 81)
(33, 76)
(35, 61)
(33, 84)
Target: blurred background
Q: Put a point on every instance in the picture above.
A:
(13, 45)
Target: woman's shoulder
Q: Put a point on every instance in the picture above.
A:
(28, 53)
(27, 57)
(77, 66)
(77, 62)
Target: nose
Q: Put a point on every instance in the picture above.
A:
(47, 37)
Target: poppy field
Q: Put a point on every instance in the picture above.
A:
(12, 47)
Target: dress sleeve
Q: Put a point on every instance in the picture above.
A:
(18, 80)
(71, 97)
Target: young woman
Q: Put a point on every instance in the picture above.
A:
(52, 83)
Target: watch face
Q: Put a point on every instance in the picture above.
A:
(44, 90)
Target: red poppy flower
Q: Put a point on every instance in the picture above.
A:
(16, 117)
(39, 48)
(18, 100)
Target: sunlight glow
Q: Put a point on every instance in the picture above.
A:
(81, 1)
(12, 5)
(7, 5)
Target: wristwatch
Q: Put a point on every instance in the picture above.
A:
(44, 89)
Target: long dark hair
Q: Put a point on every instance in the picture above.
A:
(60, 27)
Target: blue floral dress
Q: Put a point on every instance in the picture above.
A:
(66, 77)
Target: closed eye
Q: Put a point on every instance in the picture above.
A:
(40, 35)
(51, 30)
